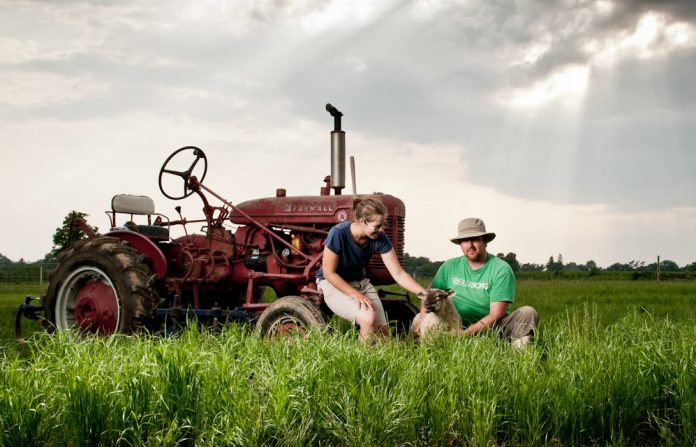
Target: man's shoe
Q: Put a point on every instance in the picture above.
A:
(520, 344)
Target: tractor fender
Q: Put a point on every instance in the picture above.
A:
(146, 247)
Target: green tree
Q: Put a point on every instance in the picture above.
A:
(555, 266)
(637, 265)
(511, 259)
(573, 267)
(669, 266)
(4, 260)
(531, 267)
(419, 266)
(619, 267)
(67, 234)
(591, 267)
(550, 263)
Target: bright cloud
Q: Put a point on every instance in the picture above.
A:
(339, 14)
(534, 51)
(15, 51)
(652, 36)
(32, 89)
(356, 64)
(566, 84)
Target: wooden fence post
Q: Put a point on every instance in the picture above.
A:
(658, 270)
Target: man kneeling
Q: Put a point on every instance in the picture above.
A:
(485, 288)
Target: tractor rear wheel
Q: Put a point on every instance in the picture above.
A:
(290, 315)
(100, 286)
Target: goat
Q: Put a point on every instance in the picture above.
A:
(441, 314)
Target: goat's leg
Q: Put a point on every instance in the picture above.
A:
(415, 325)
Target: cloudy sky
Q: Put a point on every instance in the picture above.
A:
(568, 126)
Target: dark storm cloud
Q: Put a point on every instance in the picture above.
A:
(628, 146)
(565, 27)
(142, 58)
(627, 11)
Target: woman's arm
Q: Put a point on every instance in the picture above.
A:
(399, 274)
(328, 265)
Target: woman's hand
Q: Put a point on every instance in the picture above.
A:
(364, 303)
(329, 263)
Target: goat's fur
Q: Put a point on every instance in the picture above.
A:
(440, 313)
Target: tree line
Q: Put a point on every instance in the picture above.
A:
(419, 266)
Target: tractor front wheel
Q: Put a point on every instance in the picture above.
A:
(290, 315)
(100, 286)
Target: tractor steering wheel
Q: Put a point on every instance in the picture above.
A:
(186, 174)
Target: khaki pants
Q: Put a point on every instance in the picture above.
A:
(519, 323)
(346, 307)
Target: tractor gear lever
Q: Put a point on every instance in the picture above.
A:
(181, 219)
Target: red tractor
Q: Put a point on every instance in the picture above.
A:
(136, 276)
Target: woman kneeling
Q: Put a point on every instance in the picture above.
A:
(343, 278)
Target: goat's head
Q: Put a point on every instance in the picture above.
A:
(432, 299)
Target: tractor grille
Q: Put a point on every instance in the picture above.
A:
(376, 269)
(396, 234)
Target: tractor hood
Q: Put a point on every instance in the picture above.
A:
(304, 210)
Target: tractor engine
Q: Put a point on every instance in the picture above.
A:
(303, 222)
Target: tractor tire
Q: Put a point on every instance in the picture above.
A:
(101, 285)
(400, 314)
(290, 315)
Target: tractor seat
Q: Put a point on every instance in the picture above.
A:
(154, 232)
(142, 206)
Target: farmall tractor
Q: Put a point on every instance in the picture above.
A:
(137, 277)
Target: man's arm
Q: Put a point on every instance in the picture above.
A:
(497, 312)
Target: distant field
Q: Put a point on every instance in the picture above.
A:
(614, 363)
(674, 300)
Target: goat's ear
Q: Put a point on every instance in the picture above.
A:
(451, 293)
(421, 295)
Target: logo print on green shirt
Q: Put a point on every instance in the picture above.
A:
(470, 284)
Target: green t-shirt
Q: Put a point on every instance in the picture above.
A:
(476, 289)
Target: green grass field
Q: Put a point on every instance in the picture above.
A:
(614, 363)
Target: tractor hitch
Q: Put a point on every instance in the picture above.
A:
(30, 312)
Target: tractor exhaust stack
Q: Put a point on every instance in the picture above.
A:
(338, 152)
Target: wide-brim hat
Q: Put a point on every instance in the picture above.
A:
(472, 227)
